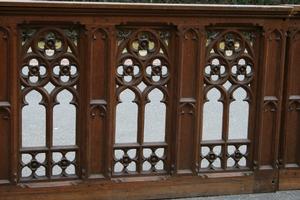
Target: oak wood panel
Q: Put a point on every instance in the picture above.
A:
(4, 142)
(290, 132)
(289, 179)
(5, 112)
(4, 58)
(98, 58)
(98, 101)
(289, 140)
(189, 76)
(272, 98)
(187, 186)
(271, 91)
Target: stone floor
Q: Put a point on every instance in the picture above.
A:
(283, 195)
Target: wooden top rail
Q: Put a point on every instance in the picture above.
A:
(96, 8)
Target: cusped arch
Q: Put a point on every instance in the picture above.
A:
(162, 89)
(71, 90)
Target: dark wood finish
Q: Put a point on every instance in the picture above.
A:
(5, 111)
(56, 50)
(182, 51)
(289, 140)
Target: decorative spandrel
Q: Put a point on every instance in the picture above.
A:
(49, 71)
(229, 71)
(143, 69)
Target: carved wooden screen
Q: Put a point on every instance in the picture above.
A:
(49, 81)
(229, 77)
(132, 100)
(143, 74)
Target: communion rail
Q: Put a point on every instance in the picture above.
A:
(144, 101)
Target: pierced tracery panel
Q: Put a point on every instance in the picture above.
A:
(228, 86)
(49, 76)
(211, 157)
(143, 69)
(153, 159)
(34, 165)
(64, 163)
(237, 156)
(126, 160)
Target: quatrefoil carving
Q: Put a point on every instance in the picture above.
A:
(65, 71)
(34, 164)
(33, 72)
(237, 154)
(64, 163)
(211, 156)
(242, 72)
(215, 71)
(157, 71)
(128, 71)
(144, 44)
(230, 45)
(153, 159)
(50, 43)
(126, 160)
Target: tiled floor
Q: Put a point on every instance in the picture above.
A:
(284, 195)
